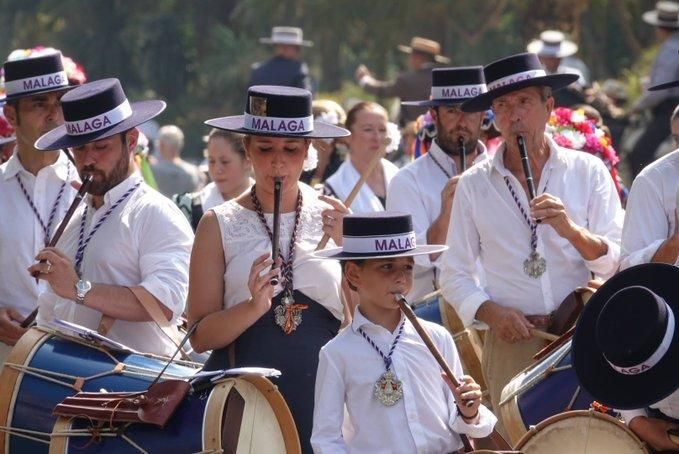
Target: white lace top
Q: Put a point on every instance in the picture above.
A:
(244, 239)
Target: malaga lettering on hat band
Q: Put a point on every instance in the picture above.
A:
(656, 356)
(29, 84)
(457, 91)
(514, 78)
(371, 244)
(278, 124)
(102, 121)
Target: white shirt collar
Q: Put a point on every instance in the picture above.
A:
(14, 166)
(360, 321)
(116, 192)
(556, 156)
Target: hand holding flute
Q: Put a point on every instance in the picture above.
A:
(87, 181)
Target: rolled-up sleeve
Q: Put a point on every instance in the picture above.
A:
(458, 279)
(646, 223)
(605, 218)
(164, 252)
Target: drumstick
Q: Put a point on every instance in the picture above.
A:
(276, 224)
(357, 187)
(526, 166)
(463, 153)
(87, 181)
(495, 436)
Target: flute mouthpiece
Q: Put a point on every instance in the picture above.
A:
(399, 297)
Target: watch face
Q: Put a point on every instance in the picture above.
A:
(83, 286)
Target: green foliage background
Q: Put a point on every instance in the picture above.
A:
(196, 54)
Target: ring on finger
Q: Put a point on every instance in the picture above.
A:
(49, 268)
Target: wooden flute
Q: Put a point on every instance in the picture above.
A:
(275, 240)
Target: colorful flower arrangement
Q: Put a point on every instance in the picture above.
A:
(573, 129)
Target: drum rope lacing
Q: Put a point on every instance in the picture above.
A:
(25, 433)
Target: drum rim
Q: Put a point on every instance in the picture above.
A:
(575, 414)
(273, 397)
(11, 379)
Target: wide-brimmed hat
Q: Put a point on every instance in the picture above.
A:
(31, 76)
(94, 111)
(376, 236)
(426, 46)
(452, 86)
(626, 345)
(277, 111)
(286, 35)
(514, 73)
(552, 43)
(665, 14)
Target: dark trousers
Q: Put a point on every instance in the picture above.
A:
(656, 132)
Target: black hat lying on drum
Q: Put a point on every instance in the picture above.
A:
(378, 235)
(453, 86)
(625, 348)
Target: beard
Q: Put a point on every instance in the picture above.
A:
(448, 140)
(102, 182)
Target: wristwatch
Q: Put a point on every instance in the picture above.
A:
(81, 289)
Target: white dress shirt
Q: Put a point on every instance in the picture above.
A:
(146, 241)
(650, 218)
(244, 239)
(21, 234)
(668, 406)
(424, 420)
(343, 181)
(487, 225)
(416, 190)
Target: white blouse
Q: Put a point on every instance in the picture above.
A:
(244, 239)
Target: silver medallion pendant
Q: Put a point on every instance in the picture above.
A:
(388, 389)
(534, 266)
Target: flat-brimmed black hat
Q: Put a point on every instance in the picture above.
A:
(94, 111)
(626, 345)
(453, 86)
(34, 75)
(278, 111)
(514, 73)
(378, 235)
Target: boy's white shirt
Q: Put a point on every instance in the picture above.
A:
(425, 420)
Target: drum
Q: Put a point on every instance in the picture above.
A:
(467, 340)
(238, 415)
(542, 390)
(47, 366)
(581, 432)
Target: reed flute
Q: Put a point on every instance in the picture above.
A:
(463, 153)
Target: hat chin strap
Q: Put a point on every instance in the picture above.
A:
(655, 358)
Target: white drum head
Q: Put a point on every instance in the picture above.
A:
(580, 432)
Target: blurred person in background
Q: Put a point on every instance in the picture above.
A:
(330, 151)
(174, 175)
(229, 170)
(286, 66)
